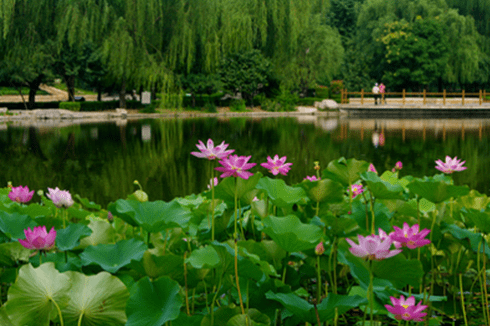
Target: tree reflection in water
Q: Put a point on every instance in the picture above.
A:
(101, 161)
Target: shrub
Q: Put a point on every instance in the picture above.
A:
(72, 106)
(238, 106)
(309, 101)
(270, 105)
(336, 86)
(210, 107)
(322, 92)
(287, 100)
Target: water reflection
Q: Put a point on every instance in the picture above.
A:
(100, 161)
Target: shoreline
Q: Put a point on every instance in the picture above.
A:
(63, 118)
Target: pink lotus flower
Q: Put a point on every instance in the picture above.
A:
(60, 198)
(20, 194)
(356, 189)
(410, 236)
(371, 168)
(210, 185)
(211, 152)
(319, 249)
(406, 309)
(236, 166)
(277, 165)
(312, 178)
(372, 247)
(451, 165)
(38, 238)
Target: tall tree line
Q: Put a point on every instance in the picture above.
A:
(170, 45)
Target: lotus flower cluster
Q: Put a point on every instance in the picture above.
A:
(406, 309)
(372, 247)
(38, 238)
(60, 198)
(356, 189)
(277, 165)
(211, 152)
(236, 166)
(451, 165)
(20, 194)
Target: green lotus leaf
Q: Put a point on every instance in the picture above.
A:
(112, 257)
(62, 263)
(382, 189)
(102, 233)
(13, 225)
(248, 265)
(185, 320)
(408, 272)
(221, 316)
(253, 317)
(96, 300)
(32, 299)
(206, 257)
(152, 216)
(280, 193)
(67, 239)
(291, 234)
(474, 200)
(35, 210)
(436, 191)
(324, 190)
(13, 252)
(4, 318)
(153, 303)
(345, 171)
(87, 203)
(225, 190)
(480, 219)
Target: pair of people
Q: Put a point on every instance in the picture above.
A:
(379, 93)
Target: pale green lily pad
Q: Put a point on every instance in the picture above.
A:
(100, 299)
(31, 298)
(102, 233)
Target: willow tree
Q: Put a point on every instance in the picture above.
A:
(206, 32)
(133, 48)
(27, 43)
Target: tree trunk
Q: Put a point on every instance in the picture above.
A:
(70, 85)
(33, 88)
(99, 94)
(122, 95)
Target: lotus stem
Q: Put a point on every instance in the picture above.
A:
(212, 205)
(318, 279)
(59, 312)
(236, 208)
(185, 284)
(372, 213)
(237, 280)
(485, 278)
(462, 297)
(40, 258)
(214, 299)
(371, 292)
(80, 319)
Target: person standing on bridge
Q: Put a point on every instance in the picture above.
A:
(376, 93)
(382, 89)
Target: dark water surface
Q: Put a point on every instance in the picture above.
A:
(101, 161)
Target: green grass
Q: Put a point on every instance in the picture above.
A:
(14, 91)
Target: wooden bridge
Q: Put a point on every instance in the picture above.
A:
(416, 103)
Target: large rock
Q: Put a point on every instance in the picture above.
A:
(326, 104)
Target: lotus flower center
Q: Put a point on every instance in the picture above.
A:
(405, 306)
(371, 257)
(17, 199)
(407, 315)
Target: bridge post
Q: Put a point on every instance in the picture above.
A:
(444, 97)
(403, 97)
(362, 96)
(462, 97)
(424, 96)
(480, 97)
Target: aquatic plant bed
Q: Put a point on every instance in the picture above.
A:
(348, 245)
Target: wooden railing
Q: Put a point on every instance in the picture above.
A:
(481, 95)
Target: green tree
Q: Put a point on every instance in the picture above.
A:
(245, 73)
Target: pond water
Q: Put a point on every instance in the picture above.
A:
(101, 161)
